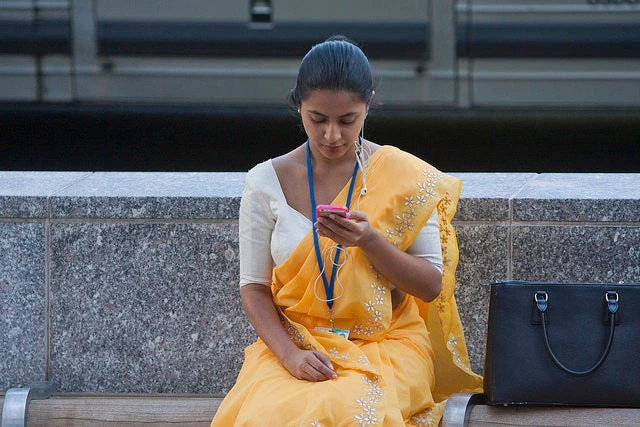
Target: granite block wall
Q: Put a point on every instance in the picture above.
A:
(22, 303)
(127, 282)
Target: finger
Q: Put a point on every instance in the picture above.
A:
(321, 228)
(337, 237)
(324, 359)
(326, 367)
(334, 224)
(311, 374)
(342, 222)
(357, 216)
(326, 227)
(316, 371)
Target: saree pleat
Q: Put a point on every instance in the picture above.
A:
(399, 365)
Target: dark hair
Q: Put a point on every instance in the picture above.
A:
(335, 64)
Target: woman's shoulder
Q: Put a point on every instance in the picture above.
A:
(288, 166)
(403, 163)
(267, 175)
(409, 168)
(396, 157)
(260, 171)
(290, 159)
(261, 183)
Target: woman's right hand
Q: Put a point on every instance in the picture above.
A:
(310, 365)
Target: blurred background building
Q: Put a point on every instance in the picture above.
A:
(200, 85)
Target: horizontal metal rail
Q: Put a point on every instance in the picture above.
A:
(548, 8)
(35, 5)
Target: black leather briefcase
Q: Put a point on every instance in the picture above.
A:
(563, 344)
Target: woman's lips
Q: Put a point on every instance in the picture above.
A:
(333, 148)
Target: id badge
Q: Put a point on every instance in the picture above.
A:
(344, 333)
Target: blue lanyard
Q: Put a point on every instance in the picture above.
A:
(328, 285)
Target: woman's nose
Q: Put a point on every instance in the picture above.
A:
(332, 133)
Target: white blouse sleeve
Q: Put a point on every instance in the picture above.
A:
(427, 243)
(257, 222)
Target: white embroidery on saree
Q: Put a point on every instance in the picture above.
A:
(336, 355)
(446, 231)
(295, 335)
(375, 322)
(368, 415)
(365, 361)
(405, 220)
(426, 418)
(452, 342)
(362, 359)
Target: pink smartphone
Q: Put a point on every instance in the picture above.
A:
(325, 210)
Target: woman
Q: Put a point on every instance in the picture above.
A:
(356, 315)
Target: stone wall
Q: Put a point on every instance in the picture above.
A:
(127, 282)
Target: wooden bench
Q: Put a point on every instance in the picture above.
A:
(69, 410)
(470, 410)
(85, 409)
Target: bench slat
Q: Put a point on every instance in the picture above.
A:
(484, 415)
(171, 410)
(94, 410)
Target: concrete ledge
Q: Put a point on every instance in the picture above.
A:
(127, 282)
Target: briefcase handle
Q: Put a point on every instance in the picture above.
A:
(611, 299)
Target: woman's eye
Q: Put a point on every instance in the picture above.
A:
(322, 120)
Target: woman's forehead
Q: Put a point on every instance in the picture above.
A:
(333, 99)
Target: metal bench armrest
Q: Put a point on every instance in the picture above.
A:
(16, 402)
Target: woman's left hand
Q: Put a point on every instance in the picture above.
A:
(351, 231)
(409, 273)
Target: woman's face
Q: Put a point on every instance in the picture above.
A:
(332, 121)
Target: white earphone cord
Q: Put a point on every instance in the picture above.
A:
(328, 259)
(362, 157)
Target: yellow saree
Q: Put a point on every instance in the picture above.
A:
(399, 365)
